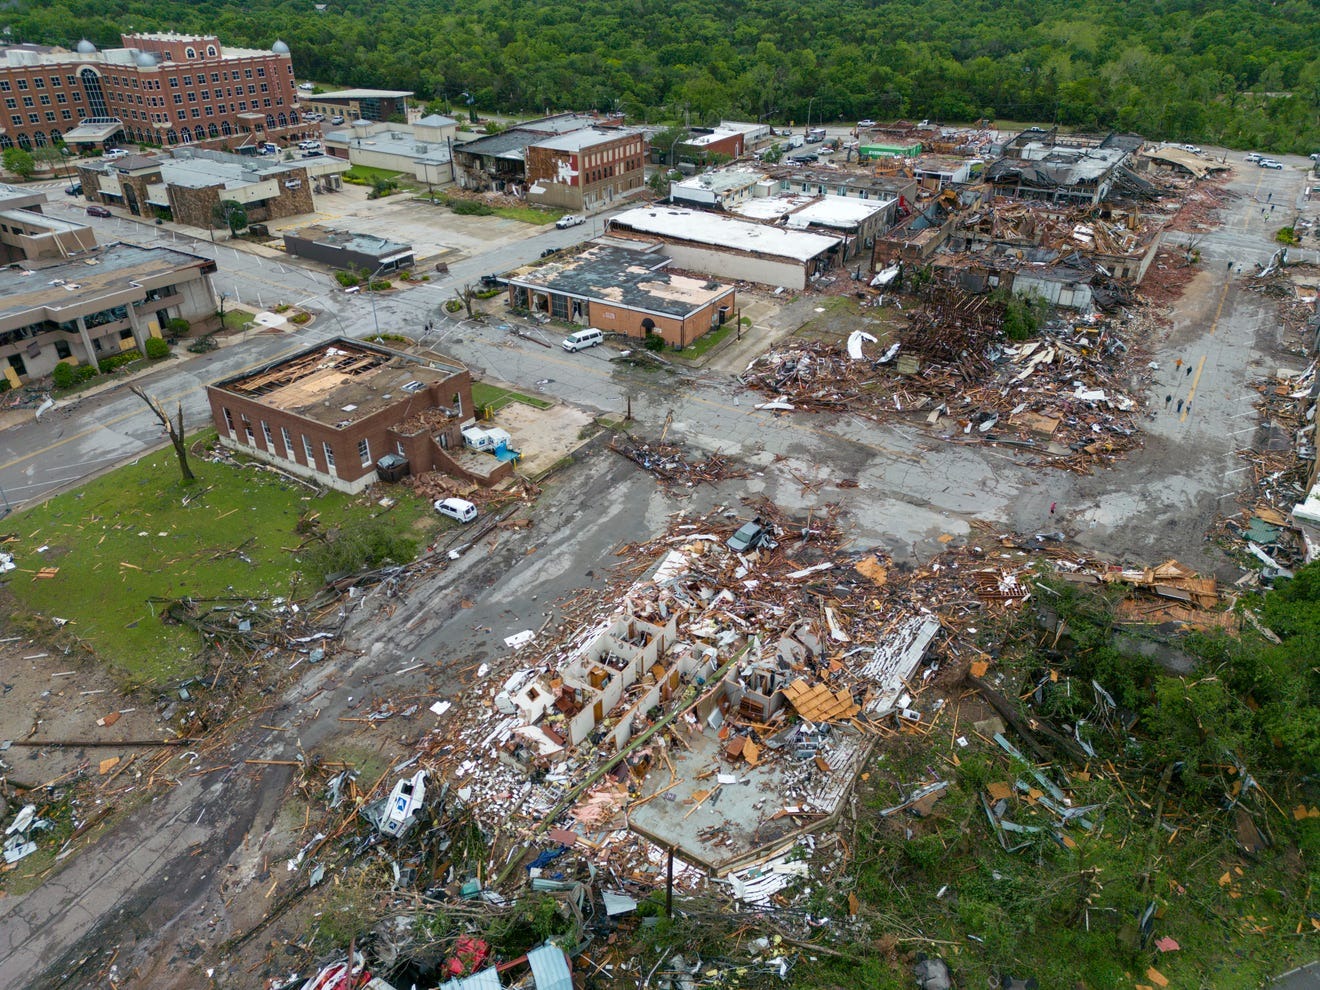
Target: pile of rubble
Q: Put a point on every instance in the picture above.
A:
(1064, 394)
(436, 485)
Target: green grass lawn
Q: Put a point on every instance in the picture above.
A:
(496, 398)
(236, 319)
(706, 342)
(127, 537)
(528, 214)
(367, 173)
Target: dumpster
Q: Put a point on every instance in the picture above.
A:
(392, 467)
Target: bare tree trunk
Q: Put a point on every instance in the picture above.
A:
(465, 296)
(174, 429)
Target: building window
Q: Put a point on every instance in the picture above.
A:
(364, 452)
(288, 442)
(265, 427)
(398, 445)
(22, 84)
(210, 51)
(174, 82)
(63, 350)
(229, 421)
(39, 83)
(329, 456)
(189, 53)
(307, 452)
(247, 430)
(95, 97)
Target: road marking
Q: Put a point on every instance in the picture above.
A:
(1220, 308)
(1196, 380)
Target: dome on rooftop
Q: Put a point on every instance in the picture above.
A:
(85, 47)
(280, 48)
(145, 60)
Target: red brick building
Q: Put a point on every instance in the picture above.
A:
(168, 89)
(330, 412)
(586, 169)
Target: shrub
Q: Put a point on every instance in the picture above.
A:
(282, 308)
(203, 344)
(300, 318)
(69, 375)
(1287, 235)
(157, 348)
(347, 279)
(453, 306)
(117, 361)
(176, 328)
(467, 208)
(654, 342)
(380, 285)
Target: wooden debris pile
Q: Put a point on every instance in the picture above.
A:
(670, 464)
(1063, 394)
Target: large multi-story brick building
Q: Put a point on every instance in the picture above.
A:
(168, 89)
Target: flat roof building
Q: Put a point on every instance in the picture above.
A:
(166, 88)
(499, 161)
(624, 290)
(362, 104)
(733, 249)
(348, 250)
(422, 149)
(104, 302)
(189, 184)
(28, 234)
(329, 412)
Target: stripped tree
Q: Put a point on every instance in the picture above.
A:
(174, 429)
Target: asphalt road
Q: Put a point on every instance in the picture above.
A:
(145, 887)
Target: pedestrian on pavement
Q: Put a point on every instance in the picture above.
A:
(1269, 197)
(1180, 405)
(1177, 364)
(1167, 400)
(1052, 505)
(1230, 265)
(1189, 371)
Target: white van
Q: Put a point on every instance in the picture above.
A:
(582, 338)
(456, 508)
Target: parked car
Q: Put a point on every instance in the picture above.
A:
(752, 536)
(459, 509)
(337, 119)
(863, 124)
(306, 87)
(569, 220)
(1192, 148)
(1270, 163)
(1253, 156)
(582, 339)
(114, 153)
(74, 190)
(98, 211)
(549, 251)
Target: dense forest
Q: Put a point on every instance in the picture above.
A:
(1234, 72)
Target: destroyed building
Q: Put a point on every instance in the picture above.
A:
(329, 412)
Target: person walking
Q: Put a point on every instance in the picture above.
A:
(1177, 364)
(1189, 371)
(1167, 399)
(1052, 505)
(1180, 401)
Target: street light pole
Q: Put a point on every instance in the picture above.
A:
(809, 103)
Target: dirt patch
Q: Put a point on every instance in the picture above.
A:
(544, 436)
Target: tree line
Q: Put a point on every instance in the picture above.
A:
(1241, 73)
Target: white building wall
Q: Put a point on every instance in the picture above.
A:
(726, 265)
